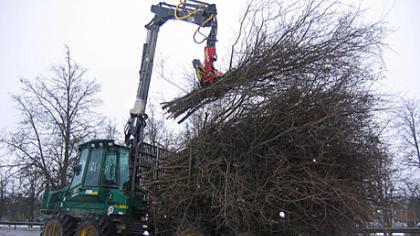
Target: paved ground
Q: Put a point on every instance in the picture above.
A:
(24, 231)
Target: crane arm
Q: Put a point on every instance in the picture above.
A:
(196, 12)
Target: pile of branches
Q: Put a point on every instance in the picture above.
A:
(289, 146)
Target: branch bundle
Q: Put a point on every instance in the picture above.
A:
(291, 146)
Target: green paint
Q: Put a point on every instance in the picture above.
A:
(97, 184)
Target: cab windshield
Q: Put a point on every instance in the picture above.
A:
(77, 178)
(93, 168)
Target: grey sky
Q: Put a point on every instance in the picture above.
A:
(106, 37)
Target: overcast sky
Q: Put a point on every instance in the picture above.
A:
(106, 37)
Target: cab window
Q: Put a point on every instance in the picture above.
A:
(124, 170)
(110, 170)
(77, 178)
(93, 168)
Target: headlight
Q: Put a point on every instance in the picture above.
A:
(146, 233)
(110, 210)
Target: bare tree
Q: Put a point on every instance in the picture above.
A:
(30, 184)
(384, 178)
(4, 182)
(57, 113)
(410, 194)
(157, 132)
(111, 131)
(407, 124)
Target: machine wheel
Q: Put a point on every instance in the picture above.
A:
(52, 228)
(61, 225)
(103, 226)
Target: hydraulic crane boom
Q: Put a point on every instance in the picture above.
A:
(196, 12)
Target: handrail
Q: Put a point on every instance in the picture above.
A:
(16, 223)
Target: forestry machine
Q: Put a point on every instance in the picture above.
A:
(107, 195)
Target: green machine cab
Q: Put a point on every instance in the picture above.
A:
(98, 195)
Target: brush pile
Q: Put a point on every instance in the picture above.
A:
(289, 145)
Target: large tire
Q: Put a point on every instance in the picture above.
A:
(61, 225)
(102, 226)
(52, 227)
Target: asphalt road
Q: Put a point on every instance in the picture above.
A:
(21, 231)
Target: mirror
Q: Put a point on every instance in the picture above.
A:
(76, 169)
